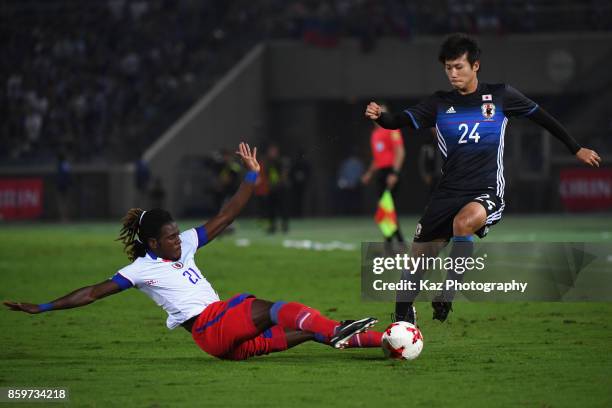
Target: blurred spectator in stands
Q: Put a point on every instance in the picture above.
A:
(461, 16)
(63, 187)
(32, 125)
(276, 168)
(228, 178)
(35, 107)
(321, 28)
(157, 194)
(142, 177)
(261, 192)
(349, 184)
(488, 17)
(300, 177)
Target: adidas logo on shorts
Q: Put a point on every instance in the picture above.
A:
(451, 110)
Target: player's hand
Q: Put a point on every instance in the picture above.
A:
(588, 156)
(365, 178)
(373, 111)
(392, 180)
(22, 307)
(248, 158)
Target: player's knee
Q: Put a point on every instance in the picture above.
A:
(462, 225)
(262, 304)
(260, 313)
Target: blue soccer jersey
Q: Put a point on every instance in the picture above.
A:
(470, 132)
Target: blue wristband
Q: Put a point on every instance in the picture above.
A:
(251, 177)
(45, 307)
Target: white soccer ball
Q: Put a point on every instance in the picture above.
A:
(402, 341)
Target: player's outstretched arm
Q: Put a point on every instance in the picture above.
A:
(79, 297)
(386, 120)
(548, 122)
(234, 206)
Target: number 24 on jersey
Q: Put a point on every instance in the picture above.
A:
(473, 134)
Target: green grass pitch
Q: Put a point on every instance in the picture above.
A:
(118, 352)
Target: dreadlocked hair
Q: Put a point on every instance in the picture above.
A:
(137, 228)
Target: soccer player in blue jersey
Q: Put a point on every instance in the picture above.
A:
(470, 123)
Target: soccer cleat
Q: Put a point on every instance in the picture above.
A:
(441, 308)
(411, 317)
(348, 329)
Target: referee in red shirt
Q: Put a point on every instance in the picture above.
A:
(387, 159)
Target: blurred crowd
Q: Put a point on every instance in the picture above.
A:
(281, 190)
(100, 80)
(323, 22)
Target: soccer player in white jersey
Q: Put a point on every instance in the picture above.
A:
(164, 269)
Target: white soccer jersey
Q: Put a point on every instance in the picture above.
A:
(178, 287)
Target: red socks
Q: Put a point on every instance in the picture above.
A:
(366, 339)
(297, 316)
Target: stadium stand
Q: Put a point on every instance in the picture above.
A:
(98, 80)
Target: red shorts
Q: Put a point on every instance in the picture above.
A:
(225, 330)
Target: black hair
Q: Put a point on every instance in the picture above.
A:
(458, 44)
(138, 228)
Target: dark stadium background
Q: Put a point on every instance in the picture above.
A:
(107, 83)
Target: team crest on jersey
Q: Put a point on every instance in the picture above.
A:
(488, 110)
(177, 265)
(419, 228)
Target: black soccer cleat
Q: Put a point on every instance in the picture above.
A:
(441, 308)
(348, 329)
(411, 317)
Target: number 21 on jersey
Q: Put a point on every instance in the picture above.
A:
(473, 134)
(192, 275)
